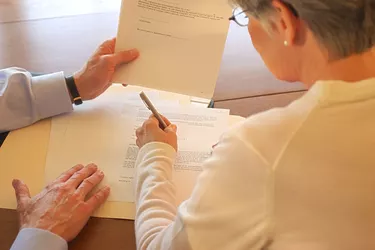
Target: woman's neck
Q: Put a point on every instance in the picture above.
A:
(351, 69)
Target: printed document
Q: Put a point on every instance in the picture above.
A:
(103, 132)
(181, 43)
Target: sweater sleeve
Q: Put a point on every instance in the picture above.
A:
(228, 209)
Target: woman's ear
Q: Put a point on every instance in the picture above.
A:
(285, 22)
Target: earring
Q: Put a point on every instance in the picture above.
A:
(286, 43)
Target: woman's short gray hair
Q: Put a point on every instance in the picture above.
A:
(343, 27)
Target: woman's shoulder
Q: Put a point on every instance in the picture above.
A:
(269, 131)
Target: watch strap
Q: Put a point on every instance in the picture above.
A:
(72, 87)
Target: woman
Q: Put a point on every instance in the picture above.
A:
(299, 177)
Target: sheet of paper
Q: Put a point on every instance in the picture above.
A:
(97, 132)
(33, 143)
(181, 44)
(105, 134)
(193, 124)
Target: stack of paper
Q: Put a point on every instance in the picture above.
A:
(103, 132)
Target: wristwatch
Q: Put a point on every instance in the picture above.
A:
(72, 87)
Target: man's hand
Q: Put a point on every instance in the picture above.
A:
(151, 132)
(61, 207)
(96, 75)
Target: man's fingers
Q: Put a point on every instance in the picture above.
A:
(81, 175)
(125, 56)
(66, 176)
(98, 198)
(106, 48)
(22, 192)
(89, 183)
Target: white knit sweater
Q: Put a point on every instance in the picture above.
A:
(294, 178)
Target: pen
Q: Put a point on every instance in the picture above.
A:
(151, 107)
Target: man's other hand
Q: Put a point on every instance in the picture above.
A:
(62, 207)
(96, 76)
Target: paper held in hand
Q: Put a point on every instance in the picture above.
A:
(180, 42)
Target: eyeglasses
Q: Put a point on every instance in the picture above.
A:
(239, 16)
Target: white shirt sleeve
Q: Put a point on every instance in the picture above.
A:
(230, 207)
(25, 100)
(37, 239)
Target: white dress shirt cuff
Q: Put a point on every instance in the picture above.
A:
(37, 239)
(51, 95)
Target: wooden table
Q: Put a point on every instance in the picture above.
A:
(98, 234)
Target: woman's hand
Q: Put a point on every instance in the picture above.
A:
(151, 132)
(96, 76)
